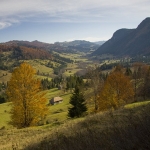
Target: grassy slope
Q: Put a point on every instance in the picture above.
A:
(127, 128)
(57, 113)
(123, 129)
(4, 76)
(4, 115)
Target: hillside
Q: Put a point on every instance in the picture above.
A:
(127, 128)
(128, 42)
(23, 52)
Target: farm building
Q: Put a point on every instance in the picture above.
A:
(56, 100)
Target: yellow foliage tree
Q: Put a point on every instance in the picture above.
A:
(116, 92)
(28, 101)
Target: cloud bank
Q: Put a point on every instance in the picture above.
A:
(70, 10)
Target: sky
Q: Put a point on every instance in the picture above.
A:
(66, 20)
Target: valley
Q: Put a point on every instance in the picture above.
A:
(110, 78)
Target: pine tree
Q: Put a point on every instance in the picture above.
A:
(77, 101)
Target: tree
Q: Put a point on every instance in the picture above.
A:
(128, 72)
(116, 92)
(96, 83)
(78, 104)
(28, 101)
(140, 70)
(145, 88)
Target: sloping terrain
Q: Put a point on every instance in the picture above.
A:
(128, 42)
(127, 128)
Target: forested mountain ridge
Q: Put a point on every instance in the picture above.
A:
(76, 45)
(128, 42)
(22, 52)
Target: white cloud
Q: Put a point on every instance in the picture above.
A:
(4, 25)
(72, 10)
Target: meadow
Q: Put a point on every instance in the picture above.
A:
(126, 128)
(57, 113)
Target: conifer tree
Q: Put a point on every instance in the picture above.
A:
(77, 101)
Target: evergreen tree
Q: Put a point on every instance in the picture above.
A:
(77, 101)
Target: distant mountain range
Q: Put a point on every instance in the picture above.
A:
(100, 42)
(128, 42)
(77, 45)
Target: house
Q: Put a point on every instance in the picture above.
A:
(56, 100)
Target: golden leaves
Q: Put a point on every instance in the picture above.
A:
(116, 92)
(29, 103)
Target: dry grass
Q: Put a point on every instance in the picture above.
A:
(123, 129)
(4, 76)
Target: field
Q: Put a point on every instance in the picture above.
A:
(4, 76)
(4, 115)
(127, 128)
(57, 113)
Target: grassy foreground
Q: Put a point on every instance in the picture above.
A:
(127, 128)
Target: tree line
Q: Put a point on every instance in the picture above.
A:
(65, 83)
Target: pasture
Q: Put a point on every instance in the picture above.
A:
(104, 130)
(57, 113)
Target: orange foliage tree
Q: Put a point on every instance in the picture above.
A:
(116, 92)
(28, 101)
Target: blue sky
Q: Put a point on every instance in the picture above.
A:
(66, 20)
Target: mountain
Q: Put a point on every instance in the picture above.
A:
(128, 42)
(99, 42)
(79, 45)
(24, 52)
(76, 45)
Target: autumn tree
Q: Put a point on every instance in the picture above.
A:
(116, 92)
(28, 101)
(139, 72)
(96, 83)
(77, 101)
(145, 88)
(128, 72)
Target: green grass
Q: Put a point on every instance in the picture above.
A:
(137, 104)
(40, 65)
(4, 115)
(121, 129)
(57, 113)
